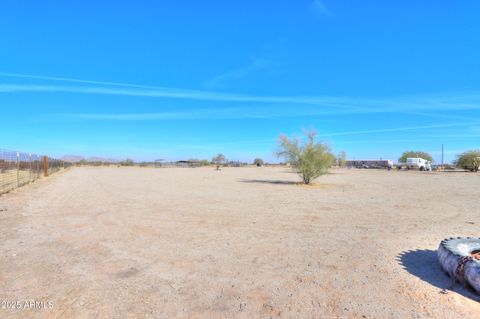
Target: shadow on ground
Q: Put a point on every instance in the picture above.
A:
(456, 171)
(423, 263)
(267, 181)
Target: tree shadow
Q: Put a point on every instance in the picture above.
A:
(423, 263)
(268, 181)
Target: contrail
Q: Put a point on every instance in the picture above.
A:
(346, 104)
(54, 78)
(409, 128)
(158, 91)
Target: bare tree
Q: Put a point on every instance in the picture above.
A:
(219, 160)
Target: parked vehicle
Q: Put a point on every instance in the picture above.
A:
(370, 163)
(416, 163)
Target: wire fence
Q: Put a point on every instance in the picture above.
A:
(19, 168)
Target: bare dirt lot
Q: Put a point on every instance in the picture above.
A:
(237, 243)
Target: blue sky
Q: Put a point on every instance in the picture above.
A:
(176, 80)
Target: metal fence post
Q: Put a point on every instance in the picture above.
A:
(14, 166)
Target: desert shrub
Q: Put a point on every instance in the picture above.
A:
(258, 162)
(342, 159)
(198, 162)
(145, 164)
(204, 162)
(420, 154)
(310, 160)
(469, 160)
(127, 162)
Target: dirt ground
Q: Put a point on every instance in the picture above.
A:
(237, 243)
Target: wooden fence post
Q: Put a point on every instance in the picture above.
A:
(45, 166)
(18, 169)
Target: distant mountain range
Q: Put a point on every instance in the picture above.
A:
(77, 158)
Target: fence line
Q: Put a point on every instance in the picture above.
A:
(19, 168)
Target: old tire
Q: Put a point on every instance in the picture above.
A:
(455, 251)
